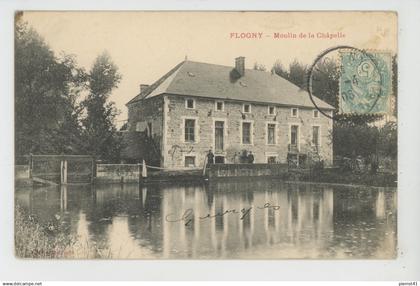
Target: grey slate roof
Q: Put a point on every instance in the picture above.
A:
(223, 82)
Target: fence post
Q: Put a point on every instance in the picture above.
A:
(30, 165)
(92, 175)
(63, 172)
(63, 198)
(144, 170)
(138, 169)
(205, 166)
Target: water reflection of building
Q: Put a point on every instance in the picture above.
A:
(301, 214)
(311, 221)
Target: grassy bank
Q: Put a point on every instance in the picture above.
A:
(34, 240)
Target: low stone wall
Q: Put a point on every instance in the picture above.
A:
(118, 173)
(22, 178)
(21, 172)
(246, 170)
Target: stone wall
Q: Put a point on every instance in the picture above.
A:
(204, 112)
(117, 173)
(21, 172)
(22, 177)
(140, 115)
(246, 170)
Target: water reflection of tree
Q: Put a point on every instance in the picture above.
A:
(359, 226)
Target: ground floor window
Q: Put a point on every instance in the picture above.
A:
(315, 135)
(189, 130)
(294, 131)
(219, 159)
(246, 133)
(218, 135)
(271, 134)
(271, 159)
(189, 161)
(292, 160)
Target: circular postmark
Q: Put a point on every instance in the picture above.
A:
(360, 81)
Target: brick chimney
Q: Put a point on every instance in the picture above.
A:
(240, 65)
(143, 87)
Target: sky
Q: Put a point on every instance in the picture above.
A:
(146, 45)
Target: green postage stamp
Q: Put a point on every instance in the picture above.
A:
(365, 82)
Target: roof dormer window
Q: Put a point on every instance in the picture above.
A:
(294, 112)
(246, 108)
(190, 103)
(220, 106)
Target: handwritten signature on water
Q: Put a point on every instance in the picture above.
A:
(188, 215)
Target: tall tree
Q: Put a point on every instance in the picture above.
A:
(297, 74)
(353, 133)
(102, 140)
(46, 92)
(259, 67)
(325, 76)
(279, 69)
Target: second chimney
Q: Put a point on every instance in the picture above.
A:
(240, 65)
(143, 87)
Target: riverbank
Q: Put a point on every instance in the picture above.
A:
(336, 176)
(50, 241)
(123, 174)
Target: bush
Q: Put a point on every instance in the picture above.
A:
(33, 240)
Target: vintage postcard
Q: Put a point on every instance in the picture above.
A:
(205, 135)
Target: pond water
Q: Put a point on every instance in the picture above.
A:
(255, 219)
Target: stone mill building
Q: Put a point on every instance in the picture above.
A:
(196, 106)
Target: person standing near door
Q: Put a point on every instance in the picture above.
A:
(210, 157)
(250, 157)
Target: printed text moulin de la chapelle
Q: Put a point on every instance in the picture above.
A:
(286, 35)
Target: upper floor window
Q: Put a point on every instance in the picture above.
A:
(246, 108)
(220, 105)
(294, 112)
(189, 126)
(190, 103)
(271, 110)
(315, 113)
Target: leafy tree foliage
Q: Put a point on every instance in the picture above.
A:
(354, 134)
(325, 77)
(296, 73)
(46, 92)
(50, 116)
(279, 69)
(259, 67)
(102, 139)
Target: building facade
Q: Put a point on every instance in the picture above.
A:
(228, 110)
